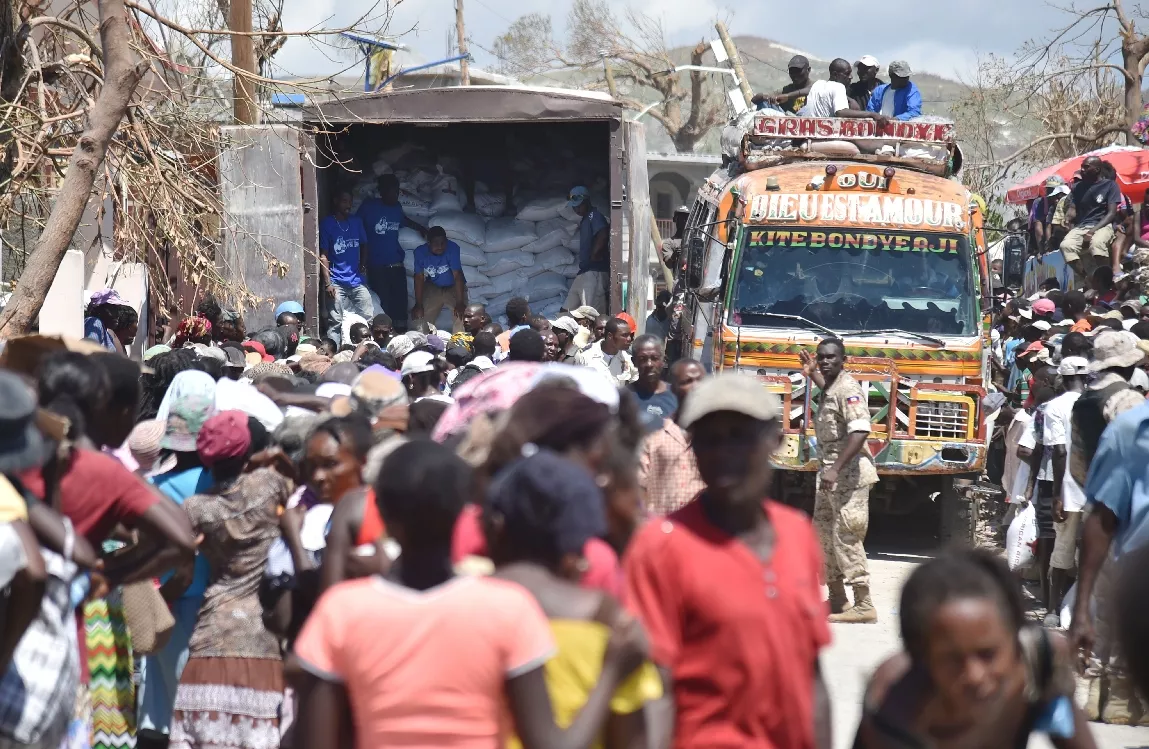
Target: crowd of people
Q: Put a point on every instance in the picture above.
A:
(1070, 368)
(1088, 219)
(542, 536)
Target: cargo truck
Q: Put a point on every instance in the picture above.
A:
(277, 180)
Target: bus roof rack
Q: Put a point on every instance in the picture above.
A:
(925, 144)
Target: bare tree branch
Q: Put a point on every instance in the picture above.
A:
(640, 58)
(122, 74)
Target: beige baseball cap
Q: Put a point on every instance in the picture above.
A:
(739, 393)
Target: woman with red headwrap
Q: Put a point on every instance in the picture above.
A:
(193, 330)
(231, 690)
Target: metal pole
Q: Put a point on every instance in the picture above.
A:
(243, 57)
(609, 78)
(735, 60)
(464, 65)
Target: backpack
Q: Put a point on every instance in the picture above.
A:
(1088, 424)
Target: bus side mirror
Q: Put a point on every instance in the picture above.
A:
(694, 260)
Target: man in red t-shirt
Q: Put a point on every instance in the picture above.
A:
(729, 587)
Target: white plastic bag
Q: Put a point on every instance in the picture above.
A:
(548, 241)
(541, 209)
(465, 226)
(557, 224)
(554, 258)
(568, 271)
(546, 285)
(488, 204)
(549, 310)
(470, 254)
(505, 234)
(413, 205)
(446, 194)
(508, 282)
(1067, 604)
(409, 239)
(475, 277)
(1020, 537)
(499, 263)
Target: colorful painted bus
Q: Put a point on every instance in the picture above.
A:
(837, 227)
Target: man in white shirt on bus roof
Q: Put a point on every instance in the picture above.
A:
(829, 99)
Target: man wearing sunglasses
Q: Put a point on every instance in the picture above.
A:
(589, 287)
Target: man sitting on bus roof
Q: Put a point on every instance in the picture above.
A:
(793, 95)
(829, 99)
(900, 98)
(862, 89)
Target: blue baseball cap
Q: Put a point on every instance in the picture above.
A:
(294, 308)
(578, 196)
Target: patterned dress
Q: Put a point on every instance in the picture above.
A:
(231, 691)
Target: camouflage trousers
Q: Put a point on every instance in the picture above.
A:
(841, 518)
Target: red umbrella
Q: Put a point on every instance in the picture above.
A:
(1131, 163)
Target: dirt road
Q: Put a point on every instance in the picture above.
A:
(858, 649)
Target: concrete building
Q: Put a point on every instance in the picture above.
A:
(674, 179)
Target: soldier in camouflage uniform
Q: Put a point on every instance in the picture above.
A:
(845, 474)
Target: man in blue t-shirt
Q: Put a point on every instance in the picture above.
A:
(589, 286)
(383, 217)
(900, 98)
(341, 242)
(439, 281)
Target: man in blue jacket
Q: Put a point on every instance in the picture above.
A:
(899, 98)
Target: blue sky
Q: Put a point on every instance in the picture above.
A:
(939, 37)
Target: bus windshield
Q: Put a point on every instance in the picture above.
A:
(846, 280)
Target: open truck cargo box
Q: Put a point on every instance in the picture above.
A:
(466, 117)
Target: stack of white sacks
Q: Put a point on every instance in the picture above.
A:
(533, 254)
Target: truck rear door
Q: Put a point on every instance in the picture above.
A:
(265, 247)
(635, 268)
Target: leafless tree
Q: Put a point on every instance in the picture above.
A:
(1073, 92)
(115, 104)
(687, 106)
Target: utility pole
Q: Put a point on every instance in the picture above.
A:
(609, 78)
(242, 57)
(464, 66)
(735, 61)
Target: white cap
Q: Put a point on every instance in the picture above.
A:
(1042, 325)
(1073, 366)
(418, 362)
(569, 324)
(869, 61)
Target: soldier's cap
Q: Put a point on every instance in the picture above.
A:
(737, 393)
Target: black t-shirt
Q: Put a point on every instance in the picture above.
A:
(654, 408)
(1092, 201)
(796, 103)
(860, 92)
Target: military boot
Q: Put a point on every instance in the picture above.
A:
(862, 612)
(1118, 703)
(838, 600)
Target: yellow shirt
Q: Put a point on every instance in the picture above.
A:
(574, 670)
(12, 504)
